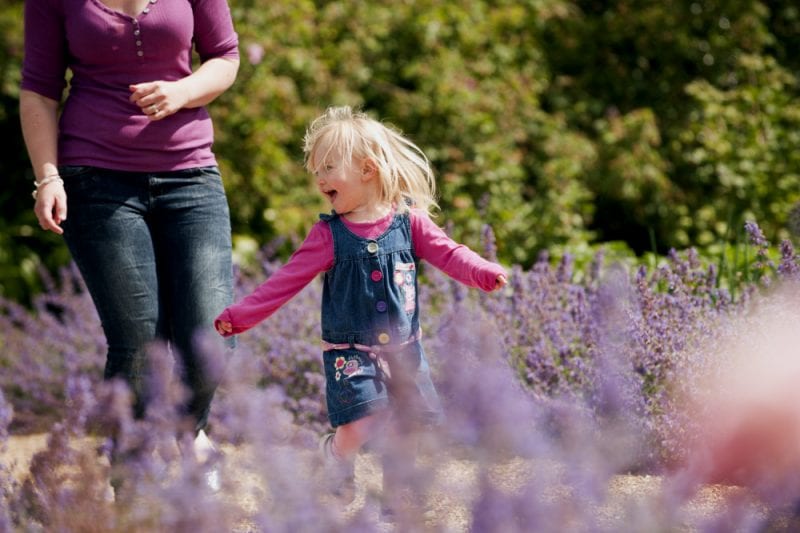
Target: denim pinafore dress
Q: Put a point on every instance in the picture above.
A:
(370, 299)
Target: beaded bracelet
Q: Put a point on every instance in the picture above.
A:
(45, 180)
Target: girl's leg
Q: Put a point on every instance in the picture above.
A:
(350, 438)
(401, 480)
(416, 408)
(339, 451)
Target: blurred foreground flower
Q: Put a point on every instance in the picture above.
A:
(745, 406)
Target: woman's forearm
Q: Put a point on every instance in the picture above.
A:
(39, 120)
(210, 80)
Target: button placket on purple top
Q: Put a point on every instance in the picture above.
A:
(137, 30)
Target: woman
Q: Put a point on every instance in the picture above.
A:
(126, 172)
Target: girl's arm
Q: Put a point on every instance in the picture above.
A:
(314, 256)
(459, 262)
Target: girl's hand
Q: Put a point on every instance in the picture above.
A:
(500, 282)
(223, 327)
(51, 207)
(158, 99)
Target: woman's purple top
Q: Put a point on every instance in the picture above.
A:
(107, 51)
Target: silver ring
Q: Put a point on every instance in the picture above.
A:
(154, 109)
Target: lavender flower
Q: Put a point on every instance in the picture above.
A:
(555, 387)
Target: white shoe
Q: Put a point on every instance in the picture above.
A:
(203, 447)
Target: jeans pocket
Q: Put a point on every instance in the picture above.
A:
(73, 171)
(206, 175)
(77, 177)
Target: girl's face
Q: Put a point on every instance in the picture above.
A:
(350, 188)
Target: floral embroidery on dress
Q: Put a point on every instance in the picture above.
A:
(338, 365)
(347, 367)
(353, 366)
(404, 277)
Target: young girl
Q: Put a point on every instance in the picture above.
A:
(381, 188)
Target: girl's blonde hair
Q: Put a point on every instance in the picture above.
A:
(406, 176)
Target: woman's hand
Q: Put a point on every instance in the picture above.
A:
(51, 206)
(158, 99)
(500, 282)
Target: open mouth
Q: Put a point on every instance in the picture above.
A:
(331, 195)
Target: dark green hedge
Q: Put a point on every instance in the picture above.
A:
(561, 124)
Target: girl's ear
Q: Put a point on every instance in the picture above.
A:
(368, 170)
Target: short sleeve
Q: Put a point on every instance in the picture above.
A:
(44, 63)
(214, 34)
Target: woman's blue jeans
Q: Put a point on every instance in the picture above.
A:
(155, 252)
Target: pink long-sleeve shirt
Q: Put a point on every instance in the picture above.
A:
(315, 256)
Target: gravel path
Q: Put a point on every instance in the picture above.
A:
(455, 487)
